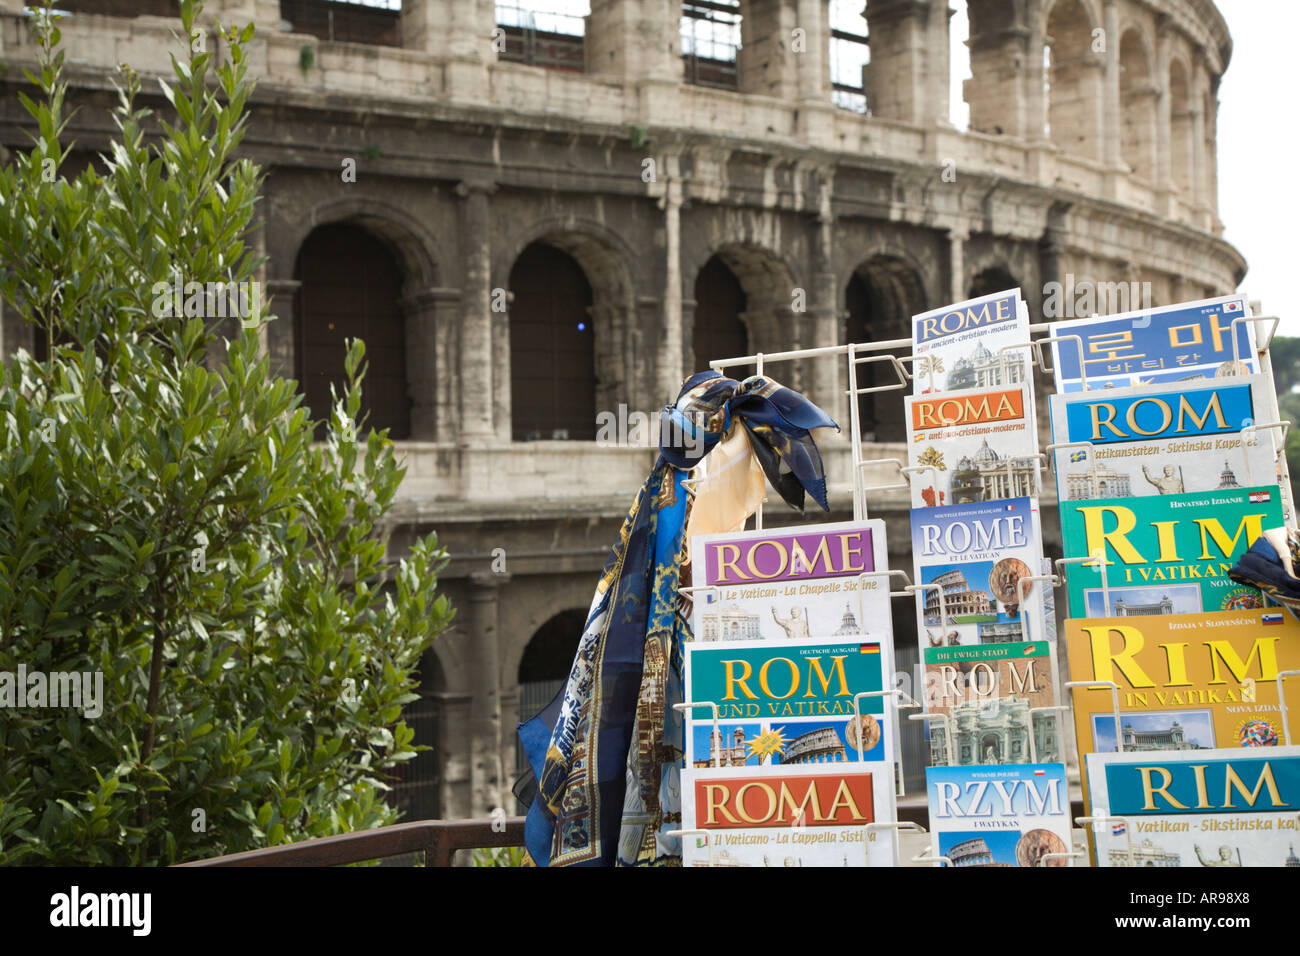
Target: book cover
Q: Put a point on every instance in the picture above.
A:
(1187, 342)
(991, 695)
(1165, 554)
(1186, 682)
(976, 554)
(771, 694)
(1136, 442)
(817, 816)
(960, 346)
(1217, 808)
(812, 582)
(999, 816)
(978, 445)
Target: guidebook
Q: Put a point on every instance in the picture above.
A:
(1187, 342)
(1165, 554)
(811, 816)
(978, 445)
(1000, 816)
(1186, 682)
(975, 555)
(1216, 808)
(964, 346)
(817, 582)
(788, 703)
(1136, 442)
(991, 697)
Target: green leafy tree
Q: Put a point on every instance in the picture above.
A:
(167, 521)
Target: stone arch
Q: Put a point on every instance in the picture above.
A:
(544, 664)
(768, 284)
(619, 341)
(350, 286)
(1181, 126)
(990, 279)
(1074, 78)
(415, 250)
(882, 294)
(1138, 93)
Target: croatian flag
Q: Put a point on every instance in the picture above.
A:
(1257, 496)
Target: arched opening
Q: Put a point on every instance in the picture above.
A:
(882, 296)
(710, 43)
(1073, 81)
(849, 55)
(545, 666)
(350, 287)
(416, 783)
(719, 303)
(1181, 128)
(990, 280)
(552, 347)
(1137, 96)
(544, 33)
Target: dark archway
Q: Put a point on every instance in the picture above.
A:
(1137, 96)
(990, 280)
(882, 296)
(719, 303)
(416, 790)
(545, 666)
(351, 286)
(552, 347)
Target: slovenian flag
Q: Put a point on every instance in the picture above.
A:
(1271, 617)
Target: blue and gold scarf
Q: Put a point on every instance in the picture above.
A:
(606, 752)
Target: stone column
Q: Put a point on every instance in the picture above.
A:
(957, 237)
(672, 358)
(1110, 114)
(812, 72)
(907, 78)
(459, 32)
(280, 345)
(635, 39)
(823, 374)
(483, 665)
(1212, 154)
(1199, 191)
(1164, 176)
(427, 313)
(764, 61)
(476, 367)
(1001, 90)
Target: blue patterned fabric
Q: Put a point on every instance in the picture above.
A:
(607, 752)
(1262, 567)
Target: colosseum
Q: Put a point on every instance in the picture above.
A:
(543, 215)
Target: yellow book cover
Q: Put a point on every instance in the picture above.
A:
(1186, 681)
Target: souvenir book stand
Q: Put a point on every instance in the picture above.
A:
(898, 355)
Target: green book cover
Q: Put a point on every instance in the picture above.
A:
(1165, 554)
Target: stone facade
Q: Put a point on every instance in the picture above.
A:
(834, 226)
